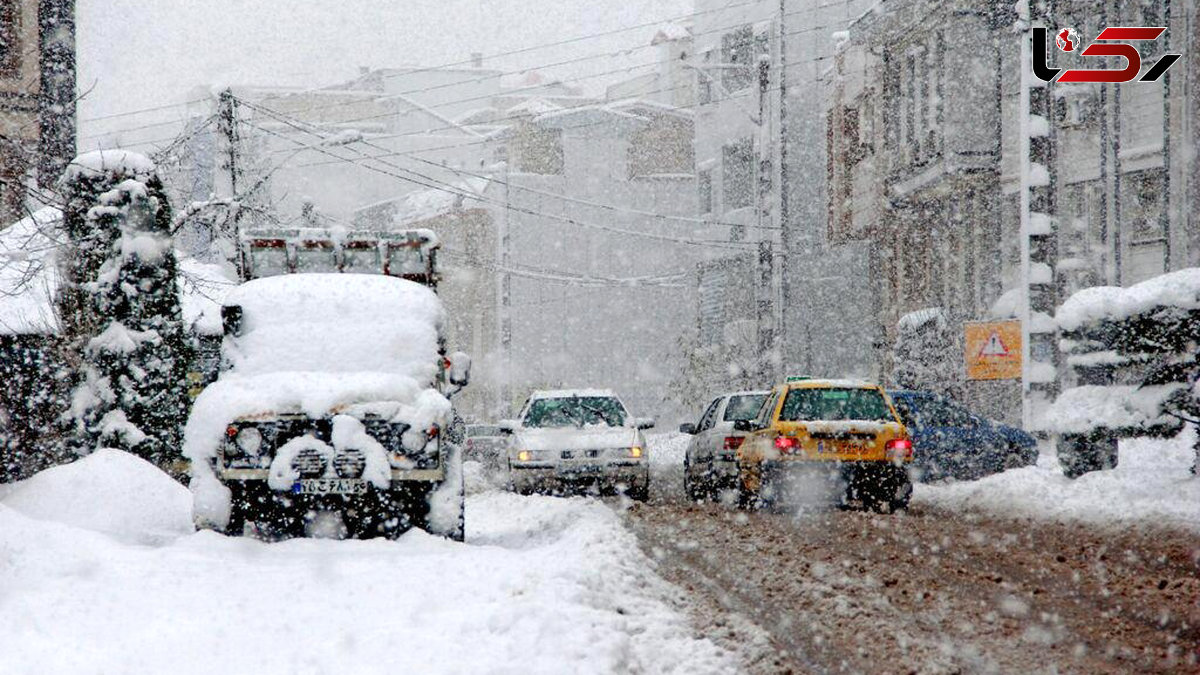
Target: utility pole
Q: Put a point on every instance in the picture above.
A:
(227, 178)
(784, 258)
(1039, 227)
(504, 301)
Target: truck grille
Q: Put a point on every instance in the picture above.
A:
(350, 463)
(309, 463)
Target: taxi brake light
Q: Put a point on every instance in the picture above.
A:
(786, 443)
(899, 448)
(733, 442)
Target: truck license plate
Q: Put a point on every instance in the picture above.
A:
(330, 486)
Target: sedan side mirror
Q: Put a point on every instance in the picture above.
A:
(643, 422)
(507, 426)
(688, 428)
(743, 425)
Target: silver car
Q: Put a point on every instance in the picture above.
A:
(576, 441)
(710, 464)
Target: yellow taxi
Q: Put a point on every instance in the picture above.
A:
(816, 439)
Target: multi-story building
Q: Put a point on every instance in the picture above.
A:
(598, 241)
(760, 157)
(925, 169)
(37, 98)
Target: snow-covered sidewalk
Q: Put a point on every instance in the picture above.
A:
(100, 573)
(1151, 485)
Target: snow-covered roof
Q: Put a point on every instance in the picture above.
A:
(671, 31)
(533, 107)
(1175, 289)
(1008, 305)
(29, 275)
(643, 108)
(817, 383)
(914, 320)
(587, 116)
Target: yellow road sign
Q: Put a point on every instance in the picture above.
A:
(993, 350)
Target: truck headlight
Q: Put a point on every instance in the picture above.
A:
(636, 452)
(249, 440)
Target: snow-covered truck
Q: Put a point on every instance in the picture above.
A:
(332, 400)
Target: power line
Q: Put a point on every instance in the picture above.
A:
(554, 195)
(434, 184)
(519, 89)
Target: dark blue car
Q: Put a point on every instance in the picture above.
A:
(951, 442)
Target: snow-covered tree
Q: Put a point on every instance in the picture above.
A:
(121, 310)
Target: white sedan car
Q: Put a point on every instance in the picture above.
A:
(577, 440)
(710, 464)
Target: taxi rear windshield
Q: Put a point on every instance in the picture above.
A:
(835, 404)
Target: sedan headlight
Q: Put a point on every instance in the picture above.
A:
(636, 452)
(249, 440)
(524, 456)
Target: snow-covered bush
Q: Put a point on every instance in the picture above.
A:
(121, 310)
(1135, 353)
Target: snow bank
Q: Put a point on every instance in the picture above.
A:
(545, 586)
(108, 491)
(1151, 485)
(1175, 289)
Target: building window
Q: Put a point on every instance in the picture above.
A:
(738, 56)
(1143, 204)
(705, 186)
(10, 38)
(737, 179)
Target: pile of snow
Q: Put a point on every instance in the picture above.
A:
(1176, 289)
(1079, 410)
(1151, 485)
(111, 492)
(544, 586)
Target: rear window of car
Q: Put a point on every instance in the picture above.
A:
(482, 430)
(835, 404)
(744, 407)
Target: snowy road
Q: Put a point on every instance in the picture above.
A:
(116, 585)
(957, 584)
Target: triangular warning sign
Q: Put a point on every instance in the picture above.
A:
(994, 346)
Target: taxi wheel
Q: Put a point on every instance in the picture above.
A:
(749, 482)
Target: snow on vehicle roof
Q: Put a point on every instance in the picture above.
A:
(336, 323)
(572, 393)
(817, 383)
(1175, 289)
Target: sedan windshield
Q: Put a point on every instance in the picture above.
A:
(807, 405)
(575, 411)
